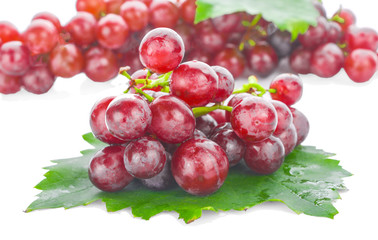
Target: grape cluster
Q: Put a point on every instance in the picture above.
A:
(105, 35)
(172, 126)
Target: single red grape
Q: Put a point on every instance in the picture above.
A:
(41, 36)
(94, 7)
(49, 17)
(9, 84)
(38, 80)
(361, 64)
(172, 119)
(226, 84)
(288, 138)
(100, 64)
(107, 169)
(231, 59)
(145, 158)
(135, 14)
(205, 124)
(82, 29)
(366, 38)
(161, 50)
(262, 59)
(327, 60)
(284, 116)
(289, 88)
(200, 166)
(300, 60)
(164, 180)
(315, 35)
(265, 157)
(66, 60)
(8, 32)
(348, 18)
(232, 145)
(14, 58)
(188, 10)
(195, 83)
(112, 31)
(128, 117)
(254, 119)
(163, 13)
(97, 122)
(301, 124)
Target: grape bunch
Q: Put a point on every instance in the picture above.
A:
(105, 35)
(172, 125)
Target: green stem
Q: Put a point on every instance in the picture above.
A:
(162, 81)
(200, 111)
(124, 73)
(256, 20)
(272, 90)
(149, 98)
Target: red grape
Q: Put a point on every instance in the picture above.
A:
(232, 145)
(301, 124)
(226, 84)
(200, 166)
(136, 15)
(172, 119)
(128, 117)
(66, 60)
(94, 7)
(82, 29)
(107, 170)
(49, 17)
(254, 119)
(163, 13)
(9, 84)
(265, 157)
(38, 80)
(145, 157)
(41, 36)
(195, 83)
(161, 50)
(289, 88)
(112, 31)
(366, 38)
(8, 32)
(361, 64)
(262, 59)
(100, 64)
(14, 58)
(97, 122)
(327, 60)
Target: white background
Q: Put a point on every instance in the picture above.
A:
(35, 129)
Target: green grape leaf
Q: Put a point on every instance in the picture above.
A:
(308, 182)
(294, 16)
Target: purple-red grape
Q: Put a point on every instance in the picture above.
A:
(107, 170)
(145, 158)
(200, 166)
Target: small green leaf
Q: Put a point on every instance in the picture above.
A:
(308, 182)
(294, 16)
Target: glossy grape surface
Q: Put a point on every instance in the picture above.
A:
(172, 119)
(254, 119)
(97, 122)
(128, 116)
(161, 50)
(145, 158)
(289, 88)
(265, 157)
(200, 166)
(107, 170)
(195, 83)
